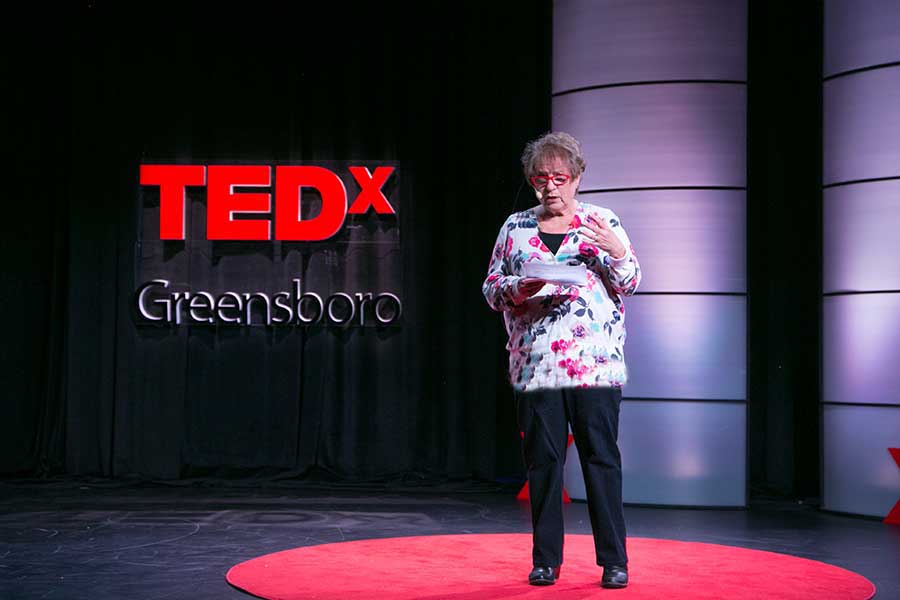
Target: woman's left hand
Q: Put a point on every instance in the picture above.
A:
(600, 234)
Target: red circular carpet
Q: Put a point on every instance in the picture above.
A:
(474, 567)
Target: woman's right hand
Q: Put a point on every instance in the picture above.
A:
(529, 286)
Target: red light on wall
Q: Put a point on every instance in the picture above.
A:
(893, 517)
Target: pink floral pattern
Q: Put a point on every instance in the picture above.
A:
(561, 346)
(588, 249)
(574, 368)
(537, 243)
(563, 336)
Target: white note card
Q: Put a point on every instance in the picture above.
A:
(559, 273)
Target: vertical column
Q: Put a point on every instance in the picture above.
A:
(861, 255)
(657, 93)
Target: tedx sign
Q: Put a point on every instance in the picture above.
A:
(252, 207)
(224, 203)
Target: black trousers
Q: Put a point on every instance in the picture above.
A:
(594, 415)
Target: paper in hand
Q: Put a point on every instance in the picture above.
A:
(558, 273)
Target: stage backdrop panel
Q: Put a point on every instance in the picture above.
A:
(861, 341)
(861, 247)
(689, 39)
(684, 134)
(860, 33)
(658, 97)
(860, 474)
(861, 132)
(861, 314)
(686, 346)
(689, 240)
(678, 453)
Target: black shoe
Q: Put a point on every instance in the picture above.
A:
(543, 575)
(614, 577)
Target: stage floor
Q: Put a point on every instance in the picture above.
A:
(104, 540)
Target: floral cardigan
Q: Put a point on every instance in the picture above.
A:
(565, 335)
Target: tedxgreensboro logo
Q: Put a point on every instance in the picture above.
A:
(155, 302)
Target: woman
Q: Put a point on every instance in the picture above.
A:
(566, 358)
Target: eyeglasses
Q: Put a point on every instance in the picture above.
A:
(558, 180)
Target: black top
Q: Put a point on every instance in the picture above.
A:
(552, 240)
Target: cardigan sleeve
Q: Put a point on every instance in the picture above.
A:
(624, 272)
(501, 288)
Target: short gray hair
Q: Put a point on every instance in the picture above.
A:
(554, 144)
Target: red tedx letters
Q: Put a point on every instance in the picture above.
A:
(223, 203)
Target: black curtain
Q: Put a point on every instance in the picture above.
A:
(784, 216)
(448, 91)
